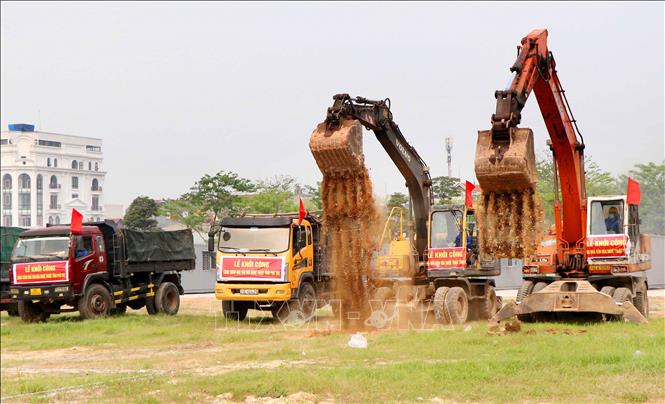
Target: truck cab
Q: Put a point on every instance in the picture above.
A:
(263, 261)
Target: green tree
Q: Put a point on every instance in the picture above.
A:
(397, 199)
(275, 195)
(140, 214)
(220, 194)
(186, 212)
(315, 201)
(651, 177)
(446, 189)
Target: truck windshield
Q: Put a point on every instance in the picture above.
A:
(254, 239)
(43, 247)
(445, 229)
(606, 217)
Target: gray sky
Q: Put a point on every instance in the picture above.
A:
(177, 90)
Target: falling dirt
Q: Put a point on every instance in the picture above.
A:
(349, 214)
(510, 223)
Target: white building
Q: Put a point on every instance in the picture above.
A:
(45, 175)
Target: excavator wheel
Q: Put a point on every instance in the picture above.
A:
(457, 305)
(641, 300)
(525, 290)
(608, 290)
(440, 313)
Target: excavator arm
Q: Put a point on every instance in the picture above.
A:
(338, 153)
(500, 169)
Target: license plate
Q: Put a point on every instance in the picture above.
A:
(35, 291)
(249, 292)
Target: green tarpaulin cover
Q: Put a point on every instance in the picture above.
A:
(150, 246)
(8, 236)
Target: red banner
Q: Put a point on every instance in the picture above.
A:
(606, 246)
(41, 272)
(252, 268)
(443, 258)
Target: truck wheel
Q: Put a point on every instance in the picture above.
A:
(167, 299)
(307, 300)
(13, 312)
(641, 301)
(96, 302)
(31, 312)
(439, 303)
(120, 309)
(622, 295)
(234, 310)
(150, 305)
(608, 290)
(457, 305)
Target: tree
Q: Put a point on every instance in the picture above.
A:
(397, 199)
(651, 177)
(275, 195)
(140, 214)
(315, 200)
(446, 189)
(219, 194)
(186, 212)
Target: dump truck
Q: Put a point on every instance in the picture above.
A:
(598, 257)
(438, 266)
(98, 270)
(273, 262)
(8, 237)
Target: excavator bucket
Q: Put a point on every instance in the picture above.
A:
(507, 163)
(566, 296)
(338, 150)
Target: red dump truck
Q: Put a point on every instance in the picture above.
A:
(98, 271)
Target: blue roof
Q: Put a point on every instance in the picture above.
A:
(21, 127)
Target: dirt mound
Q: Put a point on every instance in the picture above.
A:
(349, 214)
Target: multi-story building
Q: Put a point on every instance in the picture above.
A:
(45, 175)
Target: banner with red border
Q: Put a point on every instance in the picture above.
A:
(443, 258)
(251, 269)
(40, 272)
(613, 245)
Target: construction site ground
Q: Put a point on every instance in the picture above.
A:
(198, 356)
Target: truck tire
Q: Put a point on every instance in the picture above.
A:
(96, 302)
(622, 295)
(457, 305)
(120, 309)
(234, 310)
(150, 305)
(307, 300)
(641, 300)
(167, 299)
(31, 312)
(439, 303)
(608, 290)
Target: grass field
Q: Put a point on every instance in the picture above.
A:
(198, 357)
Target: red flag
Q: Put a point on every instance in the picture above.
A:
(77, 222)
(468, 200)
(633, 193)
(301, 211)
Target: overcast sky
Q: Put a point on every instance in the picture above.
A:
(178, 90)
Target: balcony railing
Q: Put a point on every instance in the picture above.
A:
(98, 189)
(51, 206)
(54, 186)
(96, 208)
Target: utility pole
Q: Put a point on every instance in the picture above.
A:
(449, 150)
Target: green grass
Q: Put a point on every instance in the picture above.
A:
(552, 362)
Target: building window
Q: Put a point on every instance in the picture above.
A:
(95, 184)
(55, 163)
(7, 192)
(53, 183)
(39, 182)
(40, 200)
(49, 143)
(24, 181)
(96, 167)
(80, 165)
(7, 182)
(48, 162)
(4, 141)
(50, 220)
(54, 201)
(93, 148)
(75, 165)
(57, 220)
(89, 165)
(95, 203)
(24, 221)
(7, 220)
(75, 182)
(74, 196)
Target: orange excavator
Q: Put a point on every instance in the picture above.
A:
(599, 256)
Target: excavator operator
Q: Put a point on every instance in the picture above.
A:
(613, 221)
